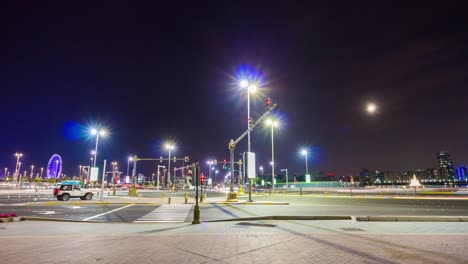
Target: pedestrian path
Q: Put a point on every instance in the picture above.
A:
(167, 213)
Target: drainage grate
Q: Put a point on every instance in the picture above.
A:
(255, 224)
(352, 229)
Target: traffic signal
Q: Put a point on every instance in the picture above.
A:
(215, 162)
(224, 165)
(186, 159)
(202, 179)
(268, 102)
(160, 159)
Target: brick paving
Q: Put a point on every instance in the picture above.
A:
(229, 242)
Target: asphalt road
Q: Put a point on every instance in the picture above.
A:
(308, 205)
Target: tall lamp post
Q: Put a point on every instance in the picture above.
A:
(286, 170)
(261, 169)
(32, 172)
(18, 156)
(250, 89)
(305, 153)
(273, 124)
(128, 164)
(170, 147)
(97, 134)
(42, 169)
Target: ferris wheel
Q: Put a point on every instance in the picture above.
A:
(54, 167)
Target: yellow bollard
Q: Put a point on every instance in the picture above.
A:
(163, 195)
(186, 197)
(169, 200)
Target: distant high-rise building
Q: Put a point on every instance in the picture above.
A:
(446, 170)
(462, 173)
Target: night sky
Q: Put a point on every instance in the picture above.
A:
(151, 72)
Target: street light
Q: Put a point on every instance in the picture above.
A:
(18, 155)
(250, 89)
(159, 172)
(305, 153)
(57, 169)
(273, 124)
(19, 168)
(287, 183)
(170, 147)
(32, 169)
(261, 169)
(371, 108)
(97, 133)
(128, 163)
(42, 169)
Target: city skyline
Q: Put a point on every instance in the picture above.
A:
(149, 78)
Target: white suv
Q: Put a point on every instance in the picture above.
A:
(66, 191)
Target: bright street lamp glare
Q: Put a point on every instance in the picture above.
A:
(93, 131)
(169, 146)
(304, 152)
(103, 132)
(244, 84)
(371, 108)
(252, 88)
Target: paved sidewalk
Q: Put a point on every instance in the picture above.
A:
(343, 241)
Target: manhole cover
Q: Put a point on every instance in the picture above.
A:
(352, 229)
(255, 224)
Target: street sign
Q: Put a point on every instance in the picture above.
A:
(251, 170)
(94, 173)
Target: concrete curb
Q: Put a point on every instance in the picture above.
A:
(285, 217)
(87, 203)
(413, 218)
(251, 203)
(35, 218)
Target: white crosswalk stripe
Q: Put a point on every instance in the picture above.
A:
(170, 213)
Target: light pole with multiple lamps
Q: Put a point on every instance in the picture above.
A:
(273, 124)
(251, 87)
(97, 133)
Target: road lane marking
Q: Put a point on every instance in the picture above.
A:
(115, 210)
(167, 213)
